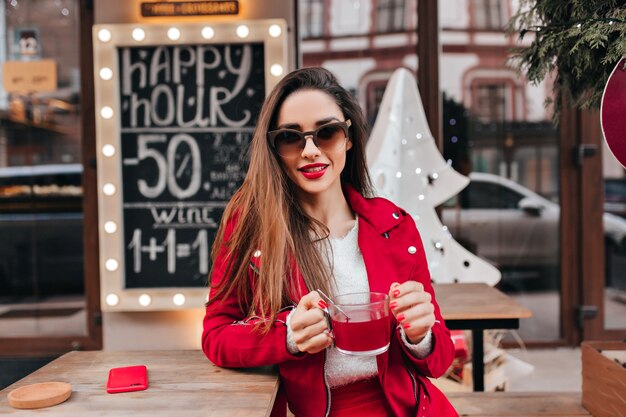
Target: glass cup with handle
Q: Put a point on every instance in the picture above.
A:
(360, 323)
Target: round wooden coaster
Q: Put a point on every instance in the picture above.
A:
(45, 394)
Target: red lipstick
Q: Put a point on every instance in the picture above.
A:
(313, 171)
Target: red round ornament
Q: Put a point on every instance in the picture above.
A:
(613, 112)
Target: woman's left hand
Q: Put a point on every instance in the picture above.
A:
(412, 308)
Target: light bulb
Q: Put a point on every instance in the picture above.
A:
(106, 112)
(106, 73)
(179, 299)
(138, 34)
(109, 189)
(173, 34)
(104, 35)
(276, 70)
(275, 31)
(112, 299)
(108, 150)
(207, 32)
(110, 227)
(145, 300)
(111, 264)
(243, 31)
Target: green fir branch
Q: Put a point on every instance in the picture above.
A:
(582, 40)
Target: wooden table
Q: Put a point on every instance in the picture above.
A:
(478, 307)
(181, 383)
(518, 404)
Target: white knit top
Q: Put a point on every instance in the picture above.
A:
(350, 276)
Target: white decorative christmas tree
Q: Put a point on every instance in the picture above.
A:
(407, 168)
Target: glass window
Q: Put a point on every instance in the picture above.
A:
(615, 243)
(615, 196)
(497, 131)
(375, 92)
(487, 14)
(490, 102)
(390, 15)
(483, 195)
(41, 218)
(311, 18)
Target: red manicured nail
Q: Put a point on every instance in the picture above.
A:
(393, 305)
(396, 293)
(406, 325)
(322, 304)
(400, 317)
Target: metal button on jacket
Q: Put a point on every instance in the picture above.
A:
(395, 215)
(257, 253)
(412, 250)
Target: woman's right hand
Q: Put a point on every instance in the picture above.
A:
(309, 327)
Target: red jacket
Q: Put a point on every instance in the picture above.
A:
(393, 252)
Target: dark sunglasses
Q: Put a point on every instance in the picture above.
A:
(291, 142)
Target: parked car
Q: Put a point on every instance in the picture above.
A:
(516, 229)
(41, 224)
(615, 196)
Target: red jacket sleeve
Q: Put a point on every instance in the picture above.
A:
(231, 340)
(442, 354)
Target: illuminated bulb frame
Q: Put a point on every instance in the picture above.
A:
(108, 133)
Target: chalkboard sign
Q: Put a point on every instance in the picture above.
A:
(187, 114)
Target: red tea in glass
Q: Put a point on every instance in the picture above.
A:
(360, 323)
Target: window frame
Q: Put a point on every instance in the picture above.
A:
(312, 28)
(487, 15)
(394, 12)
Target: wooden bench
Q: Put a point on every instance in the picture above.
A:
(518, 404)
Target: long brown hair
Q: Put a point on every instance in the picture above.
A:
(268, 216)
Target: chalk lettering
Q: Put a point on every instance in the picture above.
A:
(182, 215)
(128, 69)
(175, 183)
(160, 62)
(167, 74)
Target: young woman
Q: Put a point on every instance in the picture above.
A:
(304, 219)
